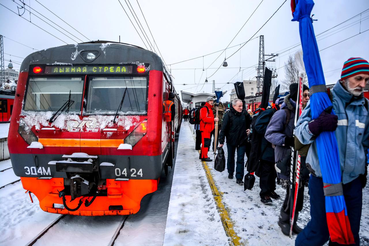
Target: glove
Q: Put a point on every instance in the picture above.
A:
(289, 141)
(325, 122)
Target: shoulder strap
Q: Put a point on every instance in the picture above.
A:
(200, 111)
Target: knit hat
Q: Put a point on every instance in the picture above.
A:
(354, 66)
(210, 99)
(293, 91)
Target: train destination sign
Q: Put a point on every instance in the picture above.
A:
(113, 69)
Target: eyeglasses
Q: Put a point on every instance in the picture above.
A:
(306, 94)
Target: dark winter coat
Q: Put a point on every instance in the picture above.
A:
(278, 130)
(259, 127)
(234, 127)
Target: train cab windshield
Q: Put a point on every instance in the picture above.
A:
(49, 94)
(107, 95)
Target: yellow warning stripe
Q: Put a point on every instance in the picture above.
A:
(223, 213)
(68, 142)
(226, 220)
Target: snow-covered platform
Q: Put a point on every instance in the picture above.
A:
(4, 151)
(201, 196)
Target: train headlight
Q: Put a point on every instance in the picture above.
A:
(136, 134)
(26, 133)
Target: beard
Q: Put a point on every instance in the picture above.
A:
(357, 91)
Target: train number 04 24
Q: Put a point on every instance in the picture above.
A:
(133, 172)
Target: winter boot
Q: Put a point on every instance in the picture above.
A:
(284, 222)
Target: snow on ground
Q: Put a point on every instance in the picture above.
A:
(193, 214)
(192, 219)
(7, 176)
(20, 220)
(4, 129)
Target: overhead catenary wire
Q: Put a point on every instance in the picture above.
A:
(282, 51)
(212, 53)
(132, 24)
(330, 46)
(133, 13)
(148, 27)
(51, 22)
(246, 42)
(14, 55)
(34, 24)
(15, 62)
(259, 28)
(238, 32)
(20, 43)
(62, 19)
(321, 36)
(251, 36)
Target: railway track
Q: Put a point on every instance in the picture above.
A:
(117, 231)
(16, 181)
(54, 223)
(44, 231)
(7, 176)
(5, 169)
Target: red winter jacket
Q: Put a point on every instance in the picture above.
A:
(206, 118)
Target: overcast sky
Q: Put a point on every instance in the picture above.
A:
(193, 30)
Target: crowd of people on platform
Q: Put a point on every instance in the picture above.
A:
(269, 136)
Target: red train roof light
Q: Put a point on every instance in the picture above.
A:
(141, 69)
(37, 70)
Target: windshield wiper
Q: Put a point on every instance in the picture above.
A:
(120, 105)
(64, 107)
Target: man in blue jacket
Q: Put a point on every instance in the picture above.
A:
(351, 129)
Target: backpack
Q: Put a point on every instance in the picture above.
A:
(258, 127)
(195, 115)
(192, 116)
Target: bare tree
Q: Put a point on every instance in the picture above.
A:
(275, 83)
(299, 61)
(292, 72)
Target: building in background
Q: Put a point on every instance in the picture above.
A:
(10, 73)
(250, 87)
(194, 100)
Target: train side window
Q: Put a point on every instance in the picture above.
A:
(3, 106)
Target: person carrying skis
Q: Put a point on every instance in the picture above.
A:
(350, 123)
(280, 134)
(301, 148)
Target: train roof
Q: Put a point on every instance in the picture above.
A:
(117, 53)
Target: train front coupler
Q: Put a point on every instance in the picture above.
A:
(82, 174)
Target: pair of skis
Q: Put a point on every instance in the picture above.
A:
(296, 161)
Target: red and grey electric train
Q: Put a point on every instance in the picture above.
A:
(88, 135)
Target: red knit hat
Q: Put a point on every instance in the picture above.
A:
(354, 66)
